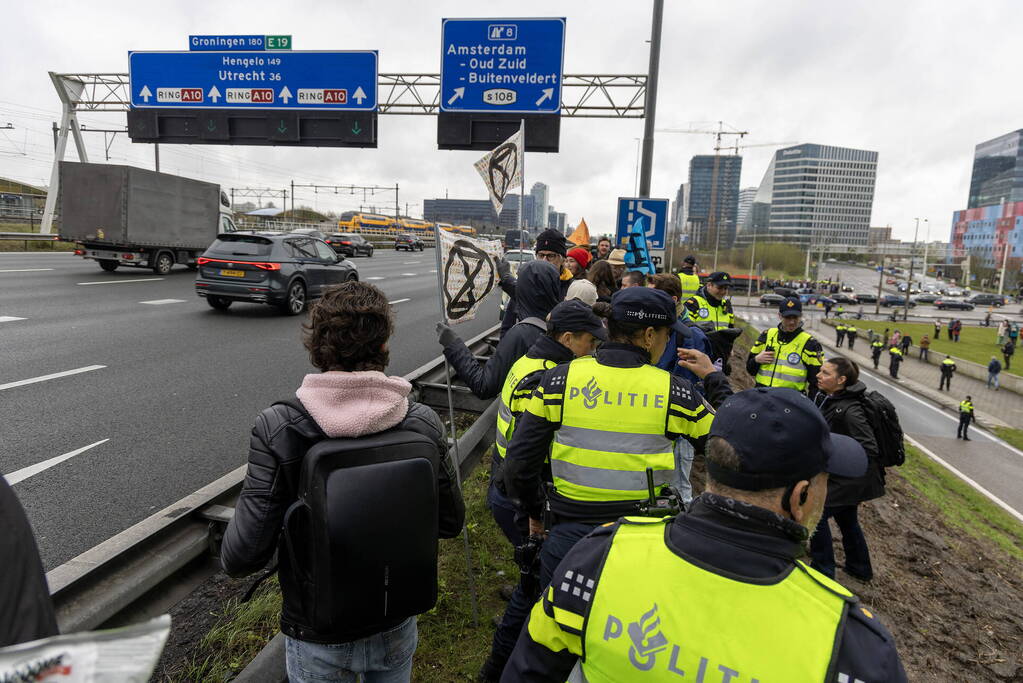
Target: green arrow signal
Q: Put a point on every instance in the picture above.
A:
(282, 128)
(355, 128)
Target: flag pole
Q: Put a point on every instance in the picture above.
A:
(522, 178)
(454, 439)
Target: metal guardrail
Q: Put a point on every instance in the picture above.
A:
(151, 566)
(28, 236)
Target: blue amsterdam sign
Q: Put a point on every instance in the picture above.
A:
(502, 65)
(653, 212)
(254, 80)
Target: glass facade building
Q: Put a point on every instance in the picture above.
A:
(997, 171)
(720, 187)
(820, 194)
(479, 213)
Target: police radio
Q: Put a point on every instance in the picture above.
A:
(666, 504)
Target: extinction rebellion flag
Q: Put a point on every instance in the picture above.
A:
(467, 274)
(501, 169)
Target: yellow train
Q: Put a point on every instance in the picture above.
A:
(376, 224)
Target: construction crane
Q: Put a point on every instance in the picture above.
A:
(712, 231)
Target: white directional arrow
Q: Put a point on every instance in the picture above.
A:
(359, 95)
(548, 93)
(145, 93)
(285, 94)
(214, 94)
(459, 93)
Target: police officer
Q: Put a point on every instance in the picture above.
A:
(573, 330)
(850, 335)
(876, 347)
(604, 420)
(839, 334)
(714, 594)
(689, 278)
(894, 360)
(786, 355)
(948, 368)
(966, 416)
(710, 307)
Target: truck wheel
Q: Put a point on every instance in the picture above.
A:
(219, 303)
(109, 265)
(163, 263)
(370, 253)
(294, 303)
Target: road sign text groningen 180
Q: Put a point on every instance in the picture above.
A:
(502, 65)
(254, 80)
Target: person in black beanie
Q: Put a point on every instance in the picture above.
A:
(551, 246)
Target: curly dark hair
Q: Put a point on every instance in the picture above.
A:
(348, 329)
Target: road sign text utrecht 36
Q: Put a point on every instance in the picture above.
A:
(254, 80)
(502, 65)
(654, 213)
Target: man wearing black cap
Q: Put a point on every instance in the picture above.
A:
(573, 331)
(710, 307)
(604, 421)
(786, 355)
(719, 592)
(689, 277)
(551, 246)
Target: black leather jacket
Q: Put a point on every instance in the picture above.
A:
(280, 439)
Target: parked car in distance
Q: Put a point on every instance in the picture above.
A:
(785, 291)
(866, 298)
(983, 299)
(890, 281)
(349, 244)
(845, 298)
(847, 288)
(926, 298)
(771, 299)
(407, 242)
(889, 300)
(946, 303)
(283, 270)
(955, 291)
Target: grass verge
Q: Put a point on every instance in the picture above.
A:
(451, 646)
(1013, 436)
(32, 245)
(963, 506)
(976, 344)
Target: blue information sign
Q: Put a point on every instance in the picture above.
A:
(654, 213)
(502, 65)
(254, 80)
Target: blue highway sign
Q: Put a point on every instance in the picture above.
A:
(254, 80)
(502, 65)
(654, 213)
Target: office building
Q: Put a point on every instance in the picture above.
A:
(479, 213)
(997, 171)
(990, 235)
(713, 200)
(556, 220)
(679, 212)
(879, 235)
(744, 213)
(818, 195)
(541, 206)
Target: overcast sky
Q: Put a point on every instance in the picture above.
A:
(919, 81)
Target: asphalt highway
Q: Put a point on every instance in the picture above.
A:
(149, 392)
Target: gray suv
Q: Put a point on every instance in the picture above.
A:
(283, 270)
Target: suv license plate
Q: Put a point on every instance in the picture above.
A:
(232, 273)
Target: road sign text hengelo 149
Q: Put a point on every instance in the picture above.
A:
(502, 65)
(254, 80)
(654, 213)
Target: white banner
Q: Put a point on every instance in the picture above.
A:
(120, 655)
(501, 169)
(467, 275)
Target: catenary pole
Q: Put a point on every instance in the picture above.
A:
(453, 451)
(651, 99)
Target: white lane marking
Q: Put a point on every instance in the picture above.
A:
(408, 274)
(409, 263)
(56, 375)
(160, 302)
(375, 277)
(120, 282)
(8, 318)
(398, 301)
(434, 271)
(995, 499)
(32, 470)
(24, 270)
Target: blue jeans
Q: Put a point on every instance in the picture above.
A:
(992, 377)
(857, 554)
(684, 455)
(380, 658)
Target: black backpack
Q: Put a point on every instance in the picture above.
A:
(362, 536)
(884, 419)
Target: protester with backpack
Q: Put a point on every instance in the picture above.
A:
(841, 398)
(356, 564)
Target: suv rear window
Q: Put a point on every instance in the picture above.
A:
(241, 245)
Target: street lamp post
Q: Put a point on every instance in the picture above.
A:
(912, 260)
